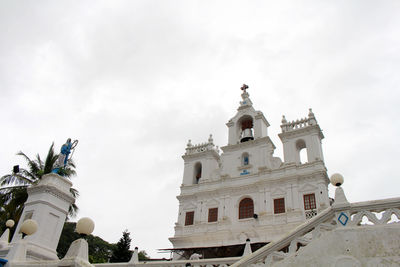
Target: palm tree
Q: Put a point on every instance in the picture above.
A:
(13, 193)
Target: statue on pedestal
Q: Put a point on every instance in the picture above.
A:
(62, 159)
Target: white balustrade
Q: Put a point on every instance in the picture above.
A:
(378, 212)
(293, 125)
(192, 149)
(310, 213)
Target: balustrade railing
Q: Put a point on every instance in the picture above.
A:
(199, 148)
(297, 124)
(293, 125)
(376, 212)
(192, 149)
(310, 214)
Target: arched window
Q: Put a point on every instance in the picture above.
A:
(245, 159)
(302, 151)
(246, 208)
(197, 172)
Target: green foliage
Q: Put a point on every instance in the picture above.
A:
(11, 207)
(142, 255)
(121, 252)
(68, 235)
(99, 250)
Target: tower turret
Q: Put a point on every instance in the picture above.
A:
(201, 161)
(301, 134)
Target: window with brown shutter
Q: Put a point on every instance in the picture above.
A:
(279, 205)
(189, 218)
(246, 208)
(213, 215)
(309, 202)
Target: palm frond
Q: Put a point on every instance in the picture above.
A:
(51, 159)
(7, 179)
(4, 190)
(28, 175)
(24, 156)
(34, 168)
(15, 178)
(68, 172)
(39, 161)
(74, 192)
(73, 210)
(12, 202)
(13, 194)
(71, 163)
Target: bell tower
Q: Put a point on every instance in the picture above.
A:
(249, 146)
(201, 161)
(301, 134)
(248, 124)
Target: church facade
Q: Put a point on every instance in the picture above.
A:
(232, 203)
(244, 192)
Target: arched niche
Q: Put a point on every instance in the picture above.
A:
(245, 159)
(197, 172)
(245, 128)
(301, 149)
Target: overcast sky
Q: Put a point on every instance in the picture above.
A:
(134, 80)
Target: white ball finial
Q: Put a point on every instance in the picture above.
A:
(85, 226)
(189, 144)
(10, 223)
(29, 227)
(337, 179)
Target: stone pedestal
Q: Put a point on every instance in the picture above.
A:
(48, 203)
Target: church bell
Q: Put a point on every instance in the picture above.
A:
(247, 134)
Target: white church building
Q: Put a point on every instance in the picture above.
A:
(244, 192)
(241, 207)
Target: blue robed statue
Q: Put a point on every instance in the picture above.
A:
(63, 157)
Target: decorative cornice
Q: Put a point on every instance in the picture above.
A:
(285, 172)
(51, 190)
(301, 132)
(260, 115)
(48, 204)
(253, 183)
(249, 166)
(198, 155)
(230, 123)
(247, 144)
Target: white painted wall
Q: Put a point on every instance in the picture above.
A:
(225, 181)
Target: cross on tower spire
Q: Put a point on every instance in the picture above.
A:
(244, 87)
